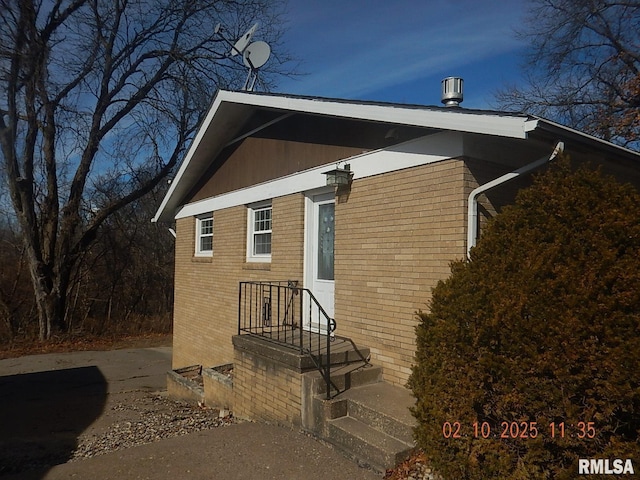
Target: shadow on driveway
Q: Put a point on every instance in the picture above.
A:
(42, 414)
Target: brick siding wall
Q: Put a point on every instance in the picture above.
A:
(206, 289)
(395, 236)
(265, 390)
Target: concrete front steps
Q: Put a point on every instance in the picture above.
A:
(369, 420)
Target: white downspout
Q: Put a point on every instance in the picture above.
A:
(472, 222)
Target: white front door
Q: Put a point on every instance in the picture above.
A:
(320, 250)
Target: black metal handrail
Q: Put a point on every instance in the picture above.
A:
(276, 311)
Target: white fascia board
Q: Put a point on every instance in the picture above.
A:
(530, 125)
(440, 146)
(299, 182)
(445, 119)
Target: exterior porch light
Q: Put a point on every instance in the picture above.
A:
(339, 176)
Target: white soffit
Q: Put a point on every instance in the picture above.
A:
(421, 151)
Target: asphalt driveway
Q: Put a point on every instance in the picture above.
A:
(48, 401)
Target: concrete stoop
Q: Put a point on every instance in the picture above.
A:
(369, 420)
(366, 444)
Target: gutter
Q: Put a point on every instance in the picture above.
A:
(472, 212)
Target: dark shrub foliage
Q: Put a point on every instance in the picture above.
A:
(542, 325)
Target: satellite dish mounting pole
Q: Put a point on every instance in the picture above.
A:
(252, 75)
(255, 56)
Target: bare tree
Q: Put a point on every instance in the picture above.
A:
(16, 298)
(124, 282)
(93, 90)
(583, 68)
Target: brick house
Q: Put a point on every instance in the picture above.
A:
(261, 237)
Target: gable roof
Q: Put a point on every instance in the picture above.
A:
(229, 112)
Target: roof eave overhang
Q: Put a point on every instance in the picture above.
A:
(564, 133)
(219, 126)
(230, 110)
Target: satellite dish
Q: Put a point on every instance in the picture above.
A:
(243, 41)
(256, 54)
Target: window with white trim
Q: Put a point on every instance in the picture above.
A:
(204, 235)
(259, 233)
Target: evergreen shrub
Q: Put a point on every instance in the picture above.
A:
(541, 325)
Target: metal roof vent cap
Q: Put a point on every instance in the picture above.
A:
(452, 91)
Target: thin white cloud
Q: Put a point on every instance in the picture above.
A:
(351, 50)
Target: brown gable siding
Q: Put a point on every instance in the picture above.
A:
(257, 160)
(292, 145)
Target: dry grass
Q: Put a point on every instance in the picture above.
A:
(82, 342)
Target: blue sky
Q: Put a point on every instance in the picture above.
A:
(399, 51)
